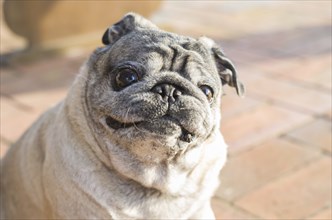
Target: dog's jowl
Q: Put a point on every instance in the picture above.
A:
(136, 137)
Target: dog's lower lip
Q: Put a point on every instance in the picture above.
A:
(185, 136)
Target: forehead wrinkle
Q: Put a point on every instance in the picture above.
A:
(174, 57)
(165, 52)
(196, 52)
(197, 47)
(153, 61)
(176, 54)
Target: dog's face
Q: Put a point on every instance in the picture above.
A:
(156, 93)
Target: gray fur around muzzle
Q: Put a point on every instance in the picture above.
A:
(146, 81)
(169, 95)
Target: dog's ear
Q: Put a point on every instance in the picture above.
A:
(227, 71)
(225, 67)
(128, 23)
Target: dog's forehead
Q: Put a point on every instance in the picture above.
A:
(159, 50)
(145, 42)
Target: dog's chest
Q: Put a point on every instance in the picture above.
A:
(181, 195)
(161, 206)
(159, 210)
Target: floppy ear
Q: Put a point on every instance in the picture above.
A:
(227, 71)
(129, 22)
(225, 67)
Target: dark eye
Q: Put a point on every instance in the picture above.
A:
(208, 92)
(126, 77)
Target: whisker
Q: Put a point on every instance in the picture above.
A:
(135, 126)
(126, 116)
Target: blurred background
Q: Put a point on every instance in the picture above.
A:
(279, 136)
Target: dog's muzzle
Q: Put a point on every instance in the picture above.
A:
(169, 93)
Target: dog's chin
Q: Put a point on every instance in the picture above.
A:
(162, 126)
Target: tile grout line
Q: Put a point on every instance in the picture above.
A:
(16, 103)
(285, 105)
(5, 140)
(288, 173)
(324, 208)
(306, 145)
(306, 85)
(233, 205)
(276, 75)
(251, 146)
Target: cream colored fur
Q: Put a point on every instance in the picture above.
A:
(57, 168)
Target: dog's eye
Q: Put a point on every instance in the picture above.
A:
(126, 77)
(208, 92)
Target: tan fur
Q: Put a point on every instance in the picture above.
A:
(71, 165)
(42, 168)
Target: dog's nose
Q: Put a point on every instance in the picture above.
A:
(167, 91)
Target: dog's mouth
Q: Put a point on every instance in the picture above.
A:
(115, 124)
(185, 136)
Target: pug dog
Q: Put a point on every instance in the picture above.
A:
(137, 136)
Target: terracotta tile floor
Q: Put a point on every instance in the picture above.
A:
(279, 135)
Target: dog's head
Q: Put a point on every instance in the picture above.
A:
(156, 93)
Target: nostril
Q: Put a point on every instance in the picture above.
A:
(158, 90)
(168, 91)
(177, 93)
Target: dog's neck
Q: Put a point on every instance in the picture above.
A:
(80, 120)
(168, 176)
